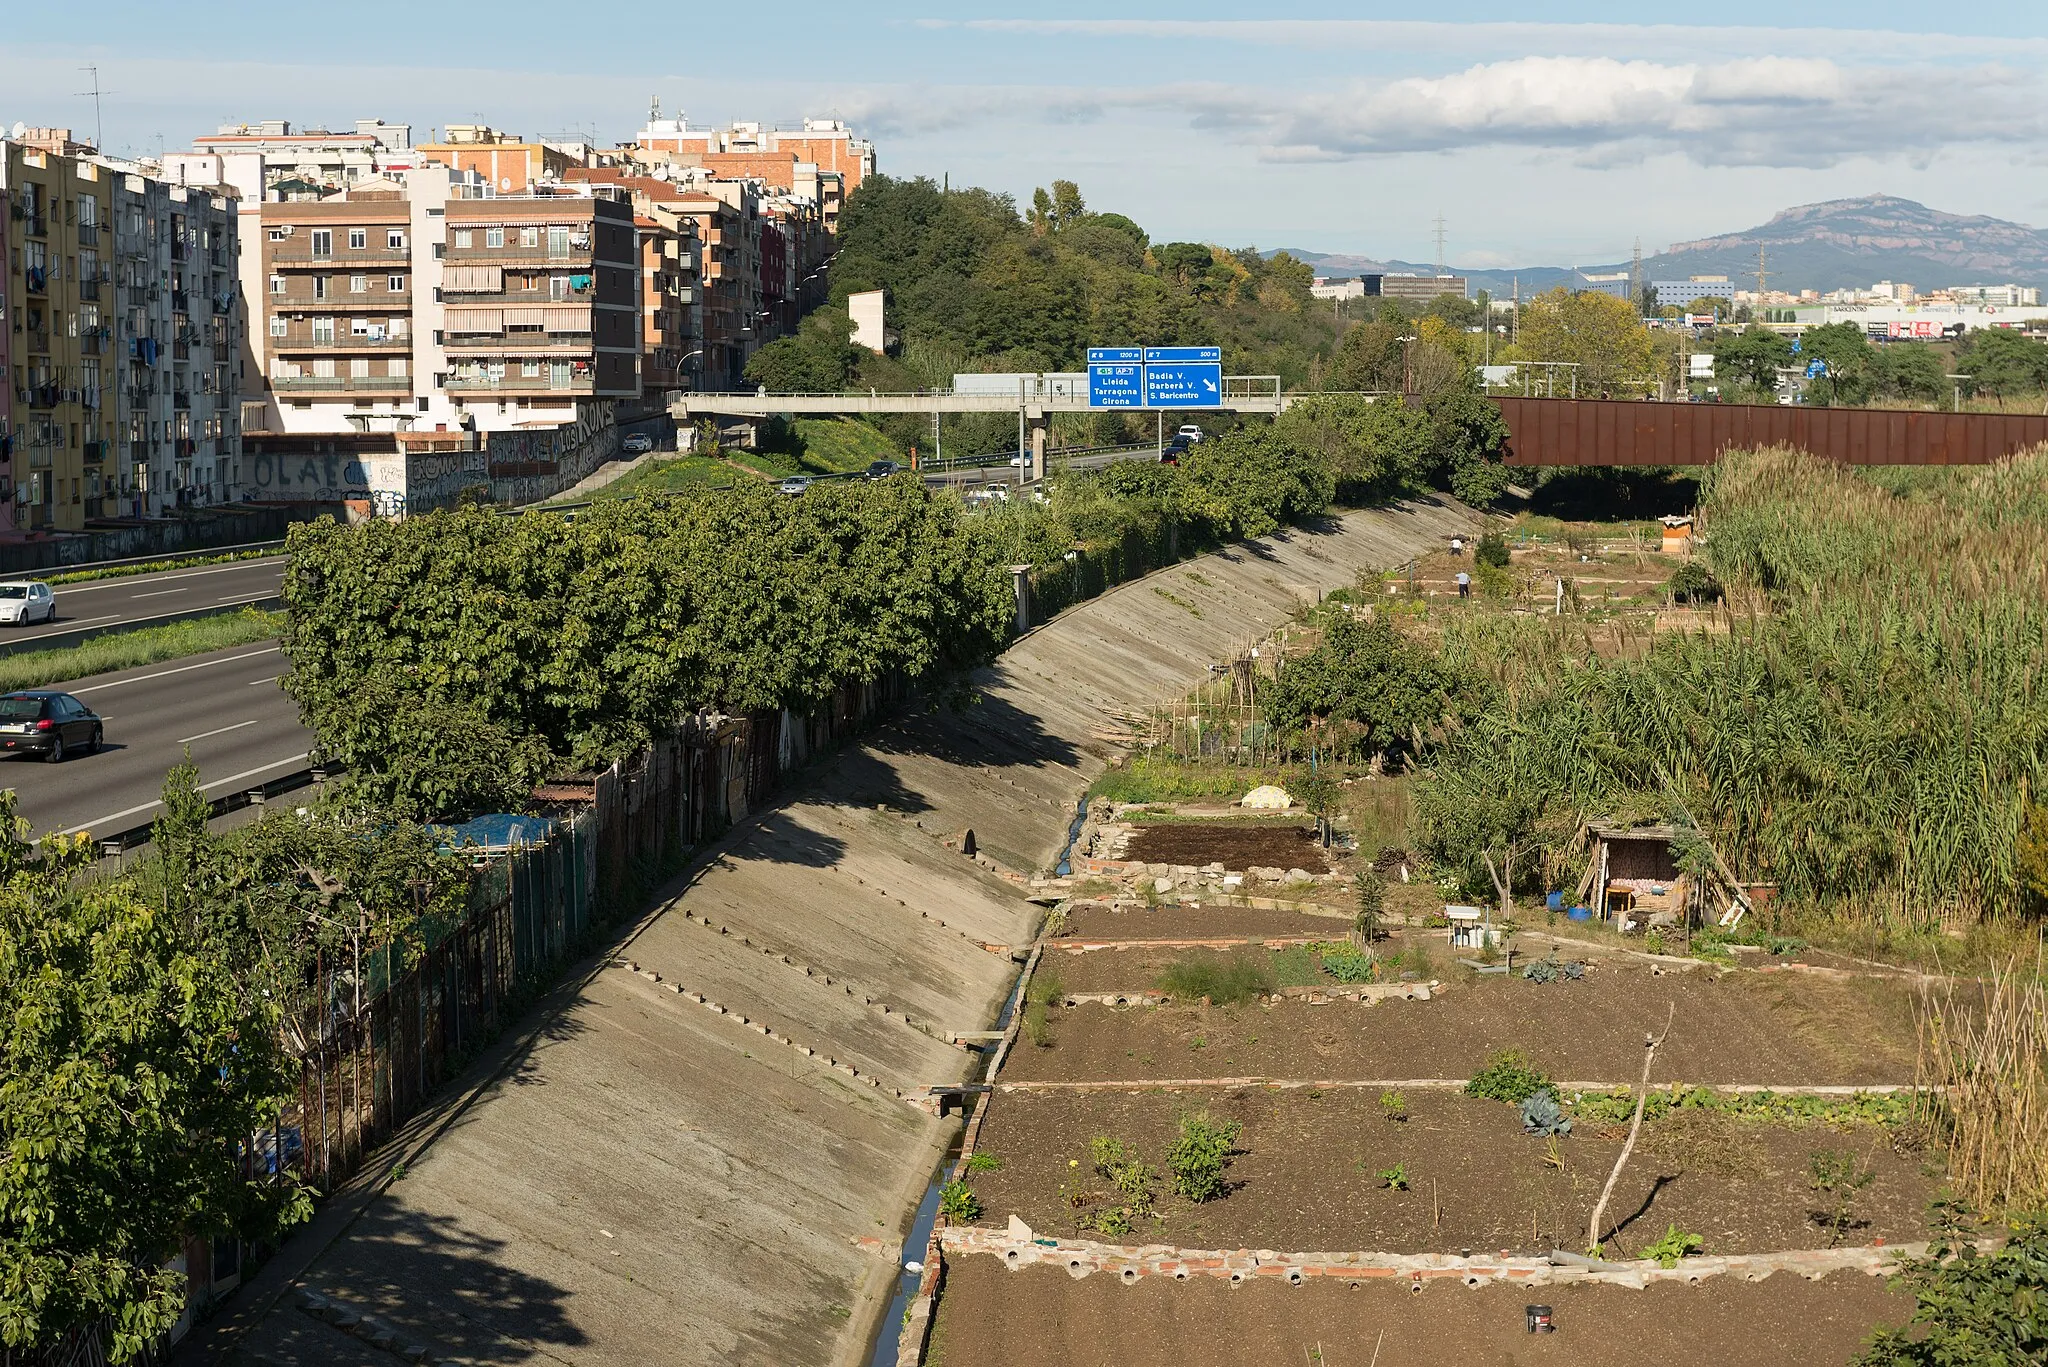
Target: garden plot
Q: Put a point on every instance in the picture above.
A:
(1095, 922)
(1729, 1028)
(1040, 1317)
(1441, 1172)
(1234, 845)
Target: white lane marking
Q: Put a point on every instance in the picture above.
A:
(245, 597)
(217, 783)
(268, 678)
(181, 669)
(187, 740)
(165, 576)
(159, 593)
(71, 622)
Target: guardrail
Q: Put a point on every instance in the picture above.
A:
(120, 842)
(85, 566)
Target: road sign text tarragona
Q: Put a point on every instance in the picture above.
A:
(1155, 377)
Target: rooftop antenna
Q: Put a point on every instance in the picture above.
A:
(654, 109)
(1761, 274)
(1635, 275)
(1440, 244)
(98, 132)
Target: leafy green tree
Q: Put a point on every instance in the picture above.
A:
(1374, 448)
(1752, 358)
(1908, 370)
(1372, 358)
(820, 359)
(1999, 361)
(1253, 481)
(1380, 688)
(1847, 353)
(137, 1062)
(1600, 334)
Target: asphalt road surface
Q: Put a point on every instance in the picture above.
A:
(225, 707)
(140, 599)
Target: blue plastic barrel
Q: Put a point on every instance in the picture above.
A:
(1579, 914)
(1556, 901)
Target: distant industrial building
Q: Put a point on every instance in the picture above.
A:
(1685, 293)
(1996, 296)
(1417, 287)
(1337, 287)
(1617, 283)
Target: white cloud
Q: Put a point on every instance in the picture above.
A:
(1555, 39)
(1768, 111)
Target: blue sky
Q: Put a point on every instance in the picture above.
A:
(1335, 128)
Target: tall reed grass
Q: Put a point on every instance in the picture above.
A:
(1989, 1061)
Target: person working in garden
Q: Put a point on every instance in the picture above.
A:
(1457, 546)
(1464, 584)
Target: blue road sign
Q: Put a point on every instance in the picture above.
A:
(1116, 355)
(1116, 386)
(1184, 385)
(1155, 355)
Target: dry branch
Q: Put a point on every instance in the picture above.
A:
(1635, 1128)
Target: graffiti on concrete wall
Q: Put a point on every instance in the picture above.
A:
(326, 478)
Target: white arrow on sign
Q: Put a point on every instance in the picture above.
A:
(1209, 385)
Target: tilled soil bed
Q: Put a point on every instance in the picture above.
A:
(1206, 922)
(1233, 845)
(1776, 1030)
(1041, 1317)
(1308, 1175)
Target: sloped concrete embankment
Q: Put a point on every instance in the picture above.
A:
(705, 1148)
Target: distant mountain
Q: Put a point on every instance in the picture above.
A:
(1832, 245)
(1843, 242)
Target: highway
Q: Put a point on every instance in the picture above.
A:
(226, 707)
(141, 599)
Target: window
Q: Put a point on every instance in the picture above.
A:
(277, 284)
(464, 238)
(359, 368)
(494, 237)
(276, 234)
(394, 284)
(396, 366)
(394, 238)
(323, 329)
(558, 239)
(323, 242)
(278, 326)
(359, 284)
(401, 326)
(358, 327)
(529, 236)
(323, 369)
(358, 238)
(529, 369)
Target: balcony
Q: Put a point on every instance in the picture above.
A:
(519, 343)
(341, 384)
(181, 400)
(96, 452)
(89, 289)
(37, 279)
(578, 254)
(35, 225)
(340, 343)
(138, 452)
(88, 234)
(339, 259)
(38, 340)
(306, 303)
(178, 252)
(180, 302)
(517, 385)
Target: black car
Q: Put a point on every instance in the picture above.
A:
(42, 721)
(882, 469)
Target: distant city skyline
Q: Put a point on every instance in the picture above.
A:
(1549, 143)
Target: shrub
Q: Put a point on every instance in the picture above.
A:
(1393, 1106)
(1372, 905)
(984, 1162)
(1542, 1115)
(1045, 989)
(958, 1203)
(1127, 1172)
(1198, 1158)
(1347, 963)
(1674, 1244)
(1550, 970)
(1508, 1076)
(1836, 1175)
(1225, 982)
(1693, 583)
(1394, 1178)
(1971, 1306)
(1492, 550)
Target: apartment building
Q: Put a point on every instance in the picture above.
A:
(669, 292)
(823, 160)
(426, 301)
(173, 332)
(507, 163)
(317, 157)
(56, 306)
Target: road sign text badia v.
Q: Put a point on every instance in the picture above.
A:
(1183, 385)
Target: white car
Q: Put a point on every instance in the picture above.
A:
(26, 600)
(1191, 432)
(637, 443)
